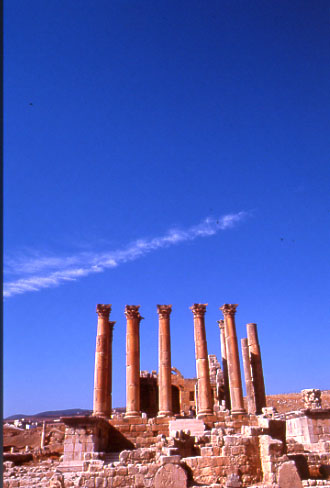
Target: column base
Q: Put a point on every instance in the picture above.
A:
(238, 412)
(129, 415)
(205, 413)
(165, 414)
(102, 414)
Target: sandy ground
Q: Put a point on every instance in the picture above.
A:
(20, 439)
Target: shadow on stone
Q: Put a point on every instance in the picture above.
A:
(325, 471)
(301, 465)
(117, 441)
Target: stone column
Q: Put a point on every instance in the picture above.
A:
(133, 361)
(43, 436)
(256, 367)
(111, 326)
(234, 370)
(205, 406)
(221, 324)
(164, 359)
(250, 393)
(101, 406)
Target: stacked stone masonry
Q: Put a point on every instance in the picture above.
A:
(242, 448)
(249, 450)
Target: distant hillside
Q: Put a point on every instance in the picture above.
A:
(287, 402)
(55, 414)
(284, 402)
(51, 414)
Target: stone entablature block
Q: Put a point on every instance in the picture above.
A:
(308, 426)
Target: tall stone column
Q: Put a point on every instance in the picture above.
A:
(205, 405)
(111, 326)
(133, 318)
(164, 361)
(101, 404)
(43, 435)
(250, 393)
(234, 370)
(256, 367)
(221, 324)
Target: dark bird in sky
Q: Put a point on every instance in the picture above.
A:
(31, 103)
(282, 238)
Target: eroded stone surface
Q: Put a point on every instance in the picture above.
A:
(171, 476)
(288, 476)
(311, 398)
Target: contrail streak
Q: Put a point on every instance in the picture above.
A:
(53, 271)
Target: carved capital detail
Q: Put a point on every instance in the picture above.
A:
(132, 312)
(228, 309)
(111, 324)
(311, 398)
(199, 309)
(221, 324)
(103, 310)
(164, 311)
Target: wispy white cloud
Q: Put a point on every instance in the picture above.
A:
(49, 271)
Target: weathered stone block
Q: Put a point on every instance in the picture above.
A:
(139, 481)
(222, 461)
(169, 459)
(206, 451)
(152, 469)
(109, 472)
(288, 476)
(233, 481)
(132, 469)
(117, 481)
(171, 475)
(232, 440)
(143, 470)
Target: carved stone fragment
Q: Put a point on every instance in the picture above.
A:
(288, 476)
(171, 476)
(311, 398)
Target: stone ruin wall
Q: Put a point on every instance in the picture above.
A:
(183, 392)
(228, 450)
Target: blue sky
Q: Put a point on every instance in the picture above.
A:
(163, 152)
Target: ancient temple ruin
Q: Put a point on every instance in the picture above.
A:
(206, 395)
(198, 431)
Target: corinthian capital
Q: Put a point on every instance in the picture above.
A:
(199, 309)
(164, 310)
(221, 324)
(103, 310)
(132, 312)
(228, 309)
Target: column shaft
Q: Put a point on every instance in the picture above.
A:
(205, 404)
(111, 326)
(250, 393)
(164, 360)
(224, 360)
(43, 435)
(101, 404)
(256, 366)
(133, 361)
(234, 370)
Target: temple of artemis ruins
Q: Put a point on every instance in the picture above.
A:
(159, 441)
(227, 387)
